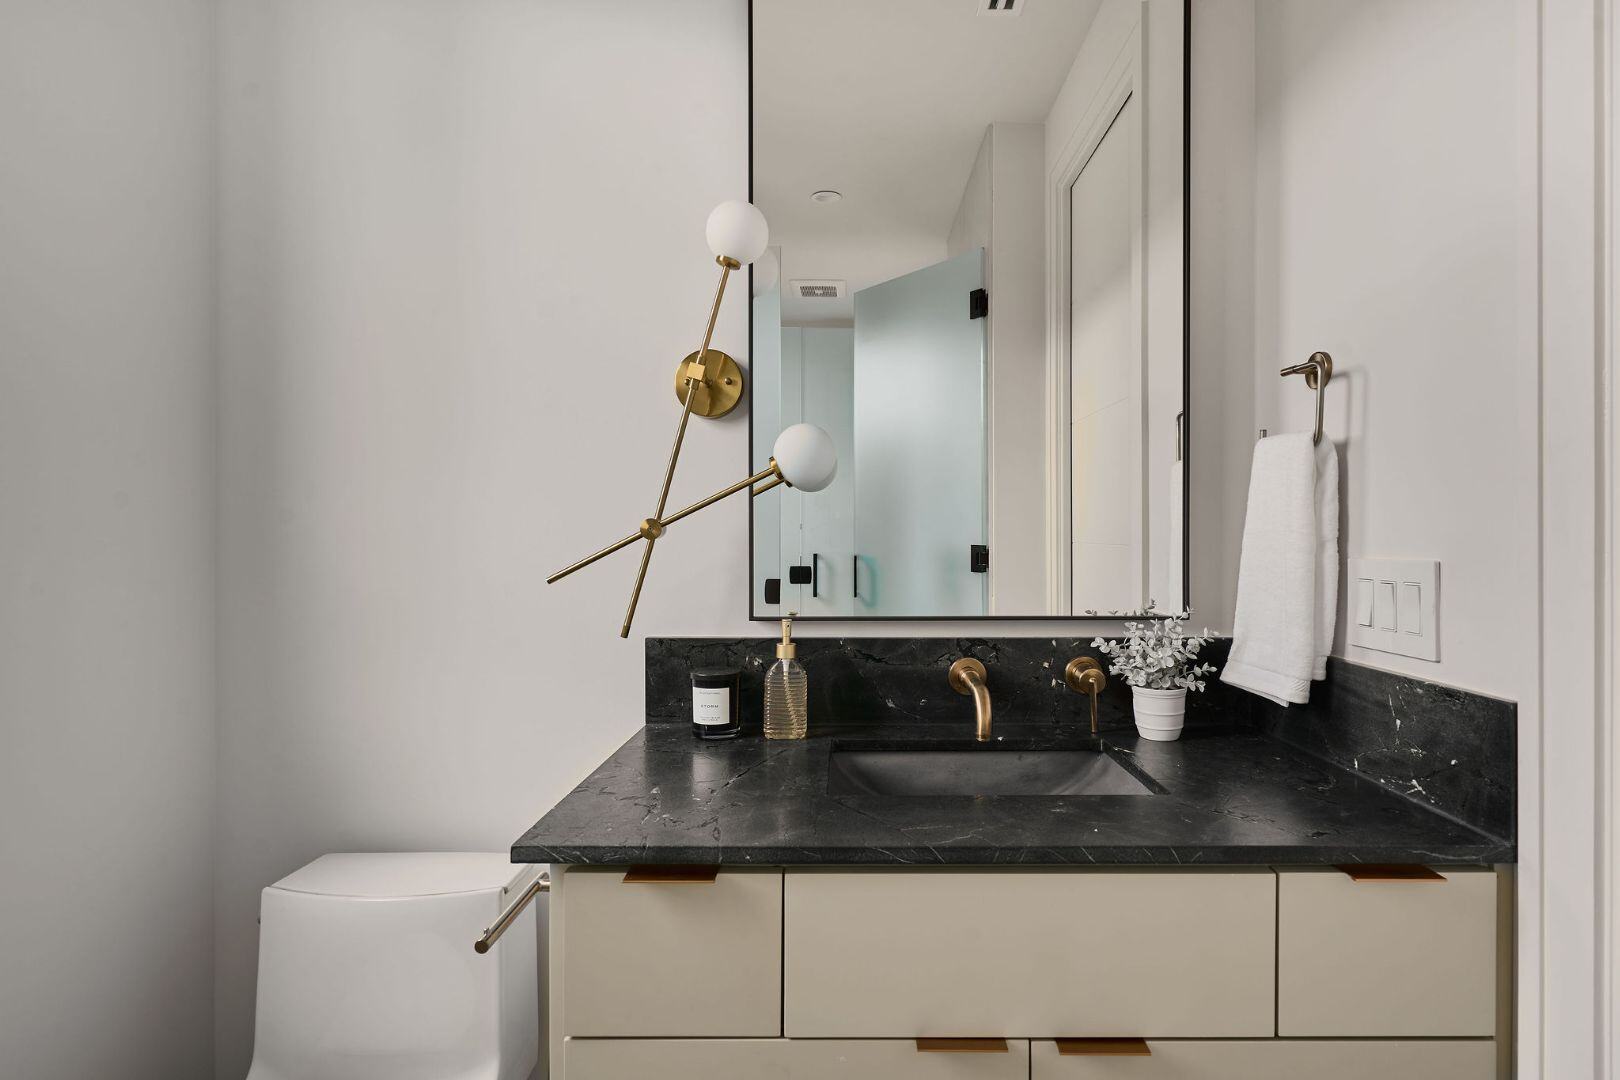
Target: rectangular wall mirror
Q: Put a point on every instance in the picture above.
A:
(976, 284)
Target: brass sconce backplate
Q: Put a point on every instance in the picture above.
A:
(720, 390)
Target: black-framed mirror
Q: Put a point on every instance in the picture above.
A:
(977, 285)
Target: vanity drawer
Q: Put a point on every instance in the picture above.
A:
(1022, 953)
(669, 958)
(1278, 1059)
(1386, 958)
(786, 1059)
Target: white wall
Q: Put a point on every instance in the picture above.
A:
(1395, 228)
(463, 252)
(970, 228)
(106, 584)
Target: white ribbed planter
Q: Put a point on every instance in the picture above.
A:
(1159, 713)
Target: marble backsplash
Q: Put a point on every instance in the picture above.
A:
(1451, 750)
(871, 681)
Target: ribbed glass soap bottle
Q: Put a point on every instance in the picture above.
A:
(785, 690)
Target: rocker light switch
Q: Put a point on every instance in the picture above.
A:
(1409, 609)
(1397, 603)
(1364, 601)
(1384, 605)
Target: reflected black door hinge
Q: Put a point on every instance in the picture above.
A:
(979, 558)
(773, 590)
(978, 304)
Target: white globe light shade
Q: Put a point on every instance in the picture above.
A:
(737, 230)
(767, 272)
(806, 457)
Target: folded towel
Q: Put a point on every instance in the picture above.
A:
(1288, 575)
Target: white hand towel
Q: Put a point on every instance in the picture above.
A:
(1327, 554)
(1288, 575)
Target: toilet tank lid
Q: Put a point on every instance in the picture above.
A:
(400, 874)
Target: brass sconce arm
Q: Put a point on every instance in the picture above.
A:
(695, 377)
(653, 528)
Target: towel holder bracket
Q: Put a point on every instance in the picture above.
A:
(1318, 372)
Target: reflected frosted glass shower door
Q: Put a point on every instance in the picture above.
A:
(920, 443)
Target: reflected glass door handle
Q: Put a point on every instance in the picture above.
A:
(815, 575)
(855, 576)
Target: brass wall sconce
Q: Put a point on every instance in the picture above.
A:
(710, 384)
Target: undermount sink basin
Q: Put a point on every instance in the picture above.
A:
(979, 772)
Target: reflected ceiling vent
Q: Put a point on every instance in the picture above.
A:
(1001, 7)
(822, 289)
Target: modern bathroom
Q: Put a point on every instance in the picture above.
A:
(738, 539)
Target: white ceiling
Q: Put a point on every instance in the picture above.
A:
(886, 101)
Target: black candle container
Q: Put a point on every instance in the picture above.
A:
(716, 703)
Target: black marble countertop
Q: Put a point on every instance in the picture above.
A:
(1228, 796)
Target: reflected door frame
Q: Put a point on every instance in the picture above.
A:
(1124, 81)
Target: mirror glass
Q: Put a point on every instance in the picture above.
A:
(975, 284)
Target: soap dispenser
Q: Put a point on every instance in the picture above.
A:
(785, 691)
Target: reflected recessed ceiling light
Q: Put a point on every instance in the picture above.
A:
(825, 196)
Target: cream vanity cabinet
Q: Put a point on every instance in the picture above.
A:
(1242, 972)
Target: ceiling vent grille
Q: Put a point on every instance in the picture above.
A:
(821, 289)
(1001, 7)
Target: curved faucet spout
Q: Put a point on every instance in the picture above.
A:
(967, 676)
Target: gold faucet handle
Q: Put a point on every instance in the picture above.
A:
(1085, 676)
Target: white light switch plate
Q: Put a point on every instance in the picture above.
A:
(1394, 606)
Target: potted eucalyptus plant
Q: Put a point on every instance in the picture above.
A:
(1160, 662)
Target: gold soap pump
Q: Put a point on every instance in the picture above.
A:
(786, 702)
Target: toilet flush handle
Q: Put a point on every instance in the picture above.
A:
(513, 910)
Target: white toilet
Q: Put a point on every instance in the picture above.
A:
(367, 971)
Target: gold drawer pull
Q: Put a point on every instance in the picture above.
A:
(1388, 872)
(671, 875)
(961, 1046)
(1104, 1047)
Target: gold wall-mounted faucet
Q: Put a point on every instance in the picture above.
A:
(967, 676)
(1085, 676)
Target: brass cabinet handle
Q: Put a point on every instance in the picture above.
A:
(1103, 1047)
(1388, 872)
(671, 875)
(961, 1046)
